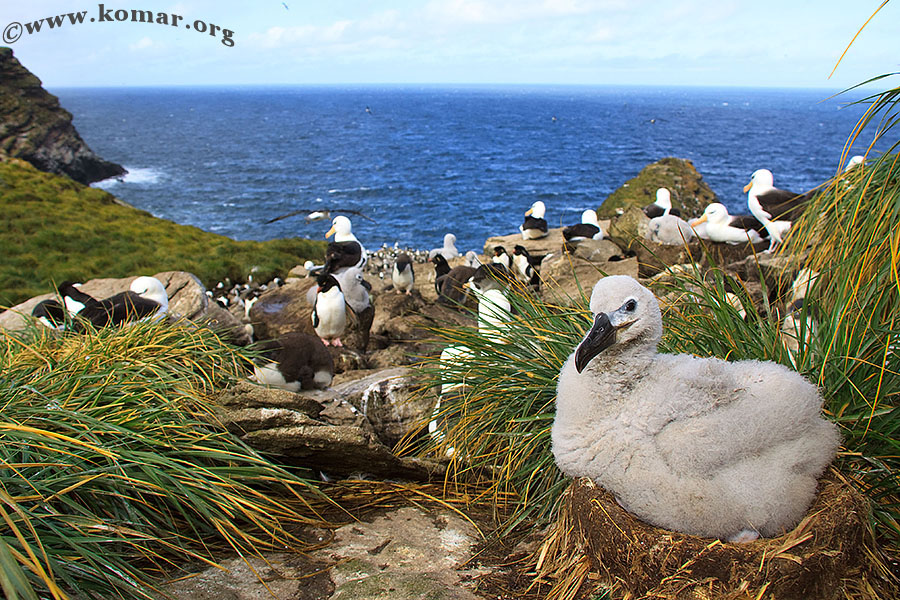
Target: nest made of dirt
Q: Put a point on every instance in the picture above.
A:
(830, 554)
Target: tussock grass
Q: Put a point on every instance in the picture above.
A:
(852, 232)
(54, 229)
(113, 470)
(497, 419)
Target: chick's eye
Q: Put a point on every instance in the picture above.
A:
(631, 305)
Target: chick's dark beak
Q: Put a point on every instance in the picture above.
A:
(601, 336)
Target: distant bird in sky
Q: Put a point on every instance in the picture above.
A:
(317, 214)
(286, 7)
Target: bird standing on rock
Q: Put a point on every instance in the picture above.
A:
(346, 250)
(523, 267)
(452, 285)
(403, 276)
(501, 257)
(775, 209)
(697, 445)
(441, 268)
(329, 315)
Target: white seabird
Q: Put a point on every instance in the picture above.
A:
(535, 226)
(448, 250)
(776, 209)
(720, 228)
(854, 161)
(697, 445)
(662, 205)
(494, 308)
(669, 230)
(588, 229)
(453, 363)
(346, 250)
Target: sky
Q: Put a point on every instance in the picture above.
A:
(764, 43)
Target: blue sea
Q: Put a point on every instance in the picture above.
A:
(425, 161)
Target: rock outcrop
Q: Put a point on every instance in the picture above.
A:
(690, 194)
(322, 429)
(35, 128)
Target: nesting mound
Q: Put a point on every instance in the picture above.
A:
(830, 554)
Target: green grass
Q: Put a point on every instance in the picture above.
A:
(499, 421)
(55, 229)
(113, 470)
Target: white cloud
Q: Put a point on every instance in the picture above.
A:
(449, 12)
(144, 42)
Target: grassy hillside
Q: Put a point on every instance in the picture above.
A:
(54, 229)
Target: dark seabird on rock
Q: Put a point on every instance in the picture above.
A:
(295, 361)
(452, 285)
(441, 268)
(501, 257)
(146, 298)
(403, 275)
(492, 276)
(535, 226)
(342, 255)
(51, 314)
(329, 315)
(524, 266)
(588, 229)
(662, 205)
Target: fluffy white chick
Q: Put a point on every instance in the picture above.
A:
(696, 445)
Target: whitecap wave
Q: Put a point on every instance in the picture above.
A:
(134, 176)
(352, 190)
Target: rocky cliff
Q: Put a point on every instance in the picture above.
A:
(690, 194)
(35, 128)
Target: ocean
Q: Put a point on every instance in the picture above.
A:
(424, 161)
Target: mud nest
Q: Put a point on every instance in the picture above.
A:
(831, 554)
